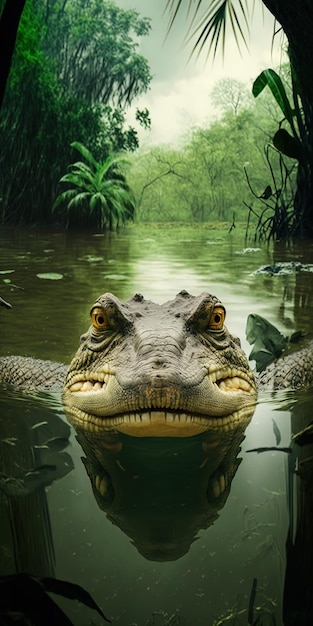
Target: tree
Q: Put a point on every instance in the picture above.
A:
(296, 19)
(230, 94)
(100, 195)
(94, 47)
(45, 105)
(9, 21)
(204, 180)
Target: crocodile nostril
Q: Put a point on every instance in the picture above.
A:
(159, 363)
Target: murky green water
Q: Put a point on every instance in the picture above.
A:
(51, 522)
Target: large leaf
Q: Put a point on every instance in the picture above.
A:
(288, 145)
(269, 78)
(267, 339)
(25, 596)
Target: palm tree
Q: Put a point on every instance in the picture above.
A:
(208, 22)
(99, 192)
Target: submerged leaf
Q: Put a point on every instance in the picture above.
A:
(28, 595)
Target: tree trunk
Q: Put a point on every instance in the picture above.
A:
(9, 22)
(296, 19)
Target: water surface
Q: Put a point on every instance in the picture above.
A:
(51, 521)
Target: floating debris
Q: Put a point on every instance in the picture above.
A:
(38, 425)
(248, 251)
(10, 440)
(269, 449)
(280, 269)
(5, 304)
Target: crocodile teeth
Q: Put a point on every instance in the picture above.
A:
(234, 384)
(89, 385)
(231, 380)
(135, 421)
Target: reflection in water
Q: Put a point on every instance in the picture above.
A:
(32, 456)
(162, 491)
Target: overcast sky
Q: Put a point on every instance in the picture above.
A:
(179, 97)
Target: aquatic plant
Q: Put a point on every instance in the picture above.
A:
(99, 196)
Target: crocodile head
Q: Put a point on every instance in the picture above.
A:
(150, 370)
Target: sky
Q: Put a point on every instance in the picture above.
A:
(179, 97)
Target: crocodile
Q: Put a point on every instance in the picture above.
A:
(147, 369)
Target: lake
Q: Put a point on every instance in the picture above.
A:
(237, 557)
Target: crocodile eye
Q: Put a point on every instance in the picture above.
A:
(217, 318)
(99, 318)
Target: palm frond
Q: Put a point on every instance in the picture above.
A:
(64, 197)
(114, 161)
(86, 154)
(80, 166)
(98, 200)
(100, 189)
(211, 28)
(81, 177)
(173, 7)
(79, 200)
(84, 174)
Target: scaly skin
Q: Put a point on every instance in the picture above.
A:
(145, 369)
(32, 374)
(294, 371)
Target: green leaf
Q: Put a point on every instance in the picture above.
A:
(269, 78)
(288, 145)
(86, 154)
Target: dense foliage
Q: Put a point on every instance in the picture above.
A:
(222, 172)
(209, 20)
(75, 69)
(99, 192)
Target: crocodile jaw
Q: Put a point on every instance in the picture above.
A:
(158, 423)
(159, 412)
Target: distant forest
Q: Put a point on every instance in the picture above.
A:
(229, 171)
(75, 71)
